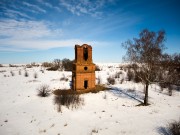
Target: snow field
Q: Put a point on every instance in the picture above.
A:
(112, 112)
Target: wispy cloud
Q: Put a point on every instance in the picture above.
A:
(57, 8)
(10, 13)
(80, 7)
(47, 4)
(37, 8)
(17, 6)
(40, 44)
(24, 35)
(24, 29)
(9, 49)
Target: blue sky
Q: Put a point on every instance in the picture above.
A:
(43, 30)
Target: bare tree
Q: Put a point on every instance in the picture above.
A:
(67, 64)
(170, 73)
(145, 55)
(58, 63)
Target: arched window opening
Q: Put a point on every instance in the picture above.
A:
(75, 53)
(85, 53)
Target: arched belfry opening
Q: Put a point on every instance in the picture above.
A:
(75, 53)
(85, 53)
(83, 74)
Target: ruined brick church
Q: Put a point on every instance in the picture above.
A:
(83, 74)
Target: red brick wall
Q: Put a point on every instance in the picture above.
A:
(80, 73)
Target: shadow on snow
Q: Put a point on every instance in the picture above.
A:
(131, 94)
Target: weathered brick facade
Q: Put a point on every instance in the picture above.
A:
(83, 74)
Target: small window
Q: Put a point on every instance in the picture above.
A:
(85, 68)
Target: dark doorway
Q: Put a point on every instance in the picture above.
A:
(85, 84)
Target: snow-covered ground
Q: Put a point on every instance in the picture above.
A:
(112, 112)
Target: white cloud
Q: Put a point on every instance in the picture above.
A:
(40, 44)
(24, 29)
(58, 9)
(47, 4)
(79, 7)
(7, 49)
(37, 8)
(14, 13)
(25, 35)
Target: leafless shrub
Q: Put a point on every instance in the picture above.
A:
(100, 88)
(19, 72)
(58, 64)
(1, 65)
(47, 64)
(170, 76)
(42, 131)
(26, 74)
(105, 95)
(54, 68)
(111, 80)
(94, 131)
(130, 75)
(43, 91)
(71, 101)
(137, 79)
(6, 121)
(99, 80)
(121, 67)
(174, 128)
(35, 75)
(170, 88)
(34, 64)
(167, 86)
(2, 71)
(11, 65)
(121, 81)
(67, 64)
(63, 79)
(117, 75)
(42, 71)
(28, 66)
(12, 73)
(177, 88)
(97, 68)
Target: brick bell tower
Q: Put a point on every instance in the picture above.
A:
(83, 74)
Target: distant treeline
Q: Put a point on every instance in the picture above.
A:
(58, 64)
